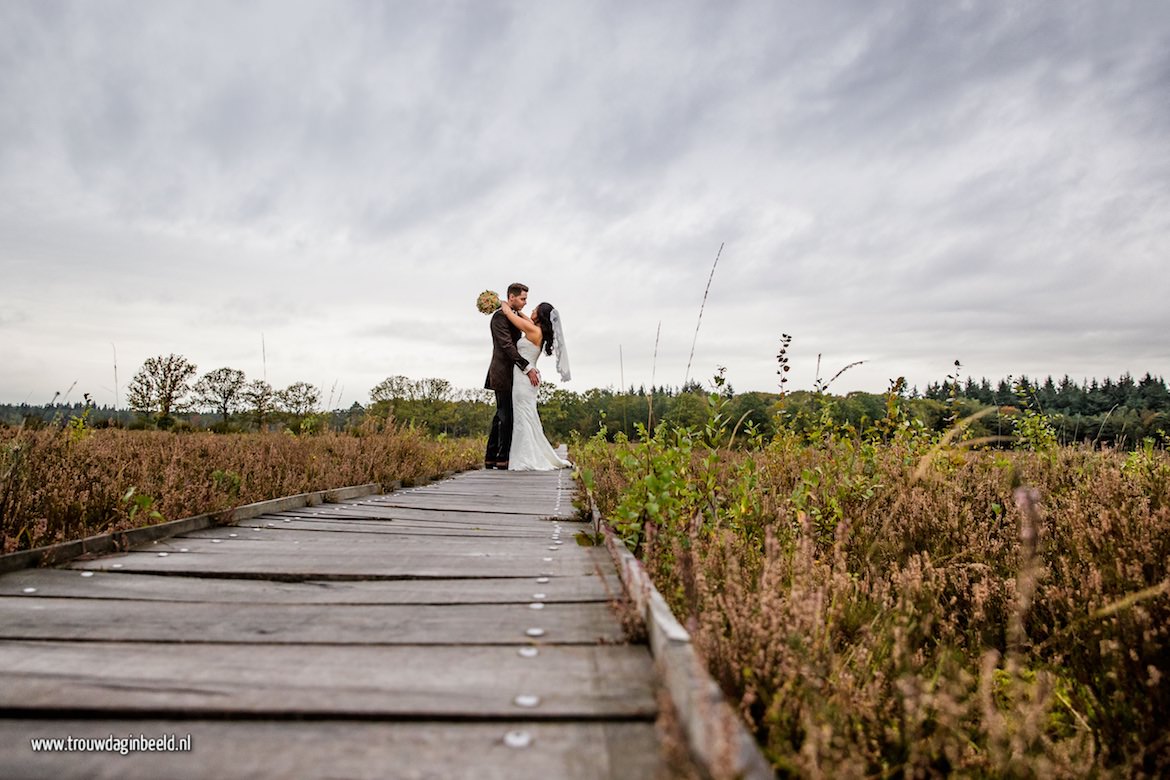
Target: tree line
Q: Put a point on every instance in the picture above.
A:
(165, 393)
(1065, 396)
(166, 384)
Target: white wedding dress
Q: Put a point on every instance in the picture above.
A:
(531, 450)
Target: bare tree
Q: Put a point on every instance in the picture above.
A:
(160, 386)
(401, 388)
(261, 400)
(299, 398)
(394, 388)
(435, 390)
(221, 390)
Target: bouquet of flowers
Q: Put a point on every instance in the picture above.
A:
(487, 302)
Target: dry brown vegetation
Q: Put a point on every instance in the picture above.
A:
(58, 485)
(903, 608)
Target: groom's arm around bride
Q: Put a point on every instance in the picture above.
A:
(499, 377)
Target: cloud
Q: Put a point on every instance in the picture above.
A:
(898, 182)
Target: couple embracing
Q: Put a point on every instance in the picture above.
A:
(517, 441)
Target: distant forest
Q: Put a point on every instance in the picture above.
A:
(1122, 412)
(1066, 397)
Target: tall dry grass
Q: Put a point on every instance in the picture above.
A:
(58, 485)
(881, 610)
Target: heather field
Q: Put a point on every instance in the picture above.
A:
(878, 600)
(61, 484)
(901, 603)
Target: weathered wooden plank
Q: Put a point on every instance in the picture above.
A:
(499, 481)
(277, 538)
(253, 562)
(349, 749)
(508, 499)
(492, 475)
(588, 681)
(427, 515)
(386, 528)
(502, 492)
(56, 583)
(400, 513)
(557, 479)
(22, 617)
(445, 504)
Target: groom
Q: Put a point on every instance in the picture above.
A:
(499, 378)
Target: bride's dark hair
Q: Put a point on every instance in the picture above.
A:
(544, 314)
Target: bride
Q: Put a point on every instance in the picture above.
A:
(530, 448)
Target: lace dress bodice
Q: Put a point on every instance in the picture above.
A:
(528, 350)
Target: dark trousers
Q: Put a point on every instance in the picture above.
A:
(500, 439)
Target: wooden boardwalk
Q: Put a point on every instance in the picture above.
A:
(453, 630)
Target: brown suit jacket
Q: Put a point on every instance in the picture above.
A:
(504, 353)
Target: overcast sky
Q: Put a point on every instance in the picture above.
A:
(904, 183)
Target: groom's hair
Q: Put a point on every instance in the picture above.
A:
(515, 288)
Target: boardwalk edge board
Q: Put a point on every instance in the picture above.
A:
(98, 544)
(718, 739)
